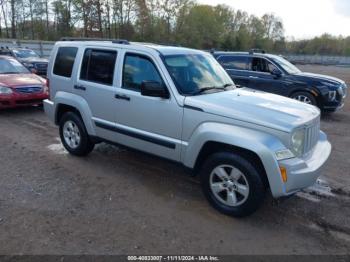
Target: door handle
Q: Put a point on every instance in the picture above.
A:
(79, 87)
(123, 97)
(253, 77)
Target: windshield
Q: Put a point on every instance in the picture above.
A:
(286, 65)
(193, 73)
(25, 54)
(12, 66)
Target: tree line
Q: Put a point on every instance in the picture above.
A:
(180, 22)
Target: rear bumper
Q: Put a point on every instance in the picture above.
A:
(49, 108)
(16, 100)
(303, 172)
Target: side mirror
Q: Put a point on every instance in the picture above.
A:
(276, 72)
(154, 89)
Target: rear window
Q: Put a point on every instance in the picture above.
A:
(234, 62)
(98, 66)
(64, 61)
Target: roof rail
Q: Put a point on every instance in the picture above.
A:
(257, 50)
(114, 41)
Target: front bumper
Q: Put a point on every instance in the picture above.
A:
(19, 100)
(303, 172)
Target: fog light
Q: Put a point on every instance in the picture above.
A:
(284, 176)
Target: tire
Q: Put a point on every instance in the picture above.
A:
(305, 97)
(74, 136)
(245, 174)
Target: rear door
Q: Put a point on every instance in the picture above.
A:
(95, 83)
(236, 66)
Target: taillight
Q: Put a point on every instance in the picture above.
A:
(48, 86)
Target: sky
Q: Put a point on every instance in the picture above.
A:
(301, 18)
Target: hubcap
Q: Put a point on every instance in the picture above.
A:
(229, 185)
(303, 99)
(71, 134)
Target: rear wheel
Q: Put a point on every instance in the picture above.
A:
(232, 184)
(305, 97)
(74, 136)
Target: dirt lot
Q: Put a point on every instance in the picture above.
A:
(117, 201)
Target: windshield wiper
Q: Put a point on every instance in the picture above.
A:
(204, 89)
(8, 73)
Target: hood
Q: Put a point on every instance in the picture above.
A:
(14, 80)
(319, 78)
(34, 60)
(256, 107)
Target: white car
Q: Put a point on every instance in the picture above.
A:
(180, 104)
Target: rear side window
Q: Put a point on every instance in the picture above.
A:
(234, 62)
(138, 68)
(64, 61)
(98, 66)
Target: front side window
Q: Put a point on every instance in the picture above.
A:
(262, 65)
(234, 62)
(194, 73)
(65, 61)
(12, 66)
(136, 69)
(98, 66)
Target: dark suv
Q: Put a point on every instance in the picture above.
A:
(28, 58)
(274, 74)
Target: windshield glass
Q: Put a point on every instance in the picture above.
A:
(12, 66)
(286, 65)
(192, 73)
(25, 54)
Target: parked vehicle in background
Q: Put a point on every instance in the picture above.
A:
(181, 105)
(274, 74)
(18, 86)
(28, 58)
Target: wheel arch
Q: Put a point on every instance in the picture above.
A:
(312, 91)
(212, 147)
(66, 102)
(248, 142)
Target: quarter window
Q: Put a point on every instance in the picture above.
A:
(234, 62)
(136, 69)
(65, 61)
(98, 66)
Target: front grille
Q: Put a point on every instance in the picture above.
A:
(312, 133)
(41, 66)
(29, 89)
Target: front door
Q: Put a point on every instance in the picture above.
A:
(261, 77)
(151, 124)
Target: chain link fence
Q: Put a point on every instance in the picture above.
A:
(43, 48)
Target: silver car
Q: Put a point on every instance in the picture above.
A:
(180, 104)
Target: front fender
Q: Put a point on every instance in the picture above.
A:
(64, 98)
(262, 144)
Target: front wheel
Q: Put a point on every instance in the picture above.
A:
(232, 184)
(74, 136)
(305, 97)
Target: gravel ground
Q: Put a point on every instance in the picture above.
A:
(117, 201)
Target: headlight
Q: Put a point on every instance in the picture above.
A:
(297, 142)
(5, 90)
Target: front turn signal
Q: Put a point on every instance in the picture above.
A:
(284, 176)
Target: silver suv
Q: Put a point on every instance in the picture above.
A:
(180, 104)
